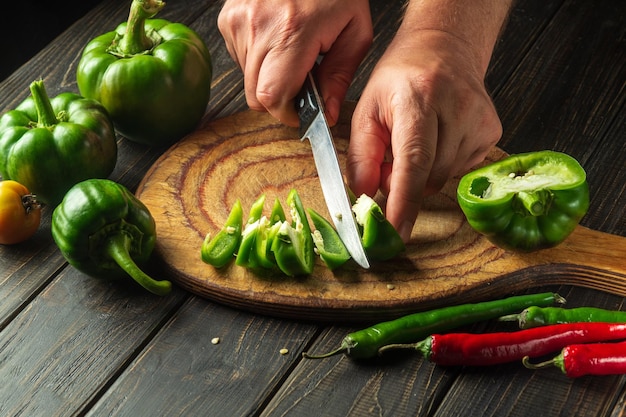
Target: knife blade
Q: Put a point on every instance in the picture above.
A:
(314, 127)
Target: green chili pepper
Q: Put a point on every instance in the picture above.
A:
(535, 316)
(48, 145)
(527, 201)
(220, 249)
(152, 75)
(268, 229)
(328, 244)
(247, 254)
(293, 244)
(103, 230)
(380, 239)
(366, 343)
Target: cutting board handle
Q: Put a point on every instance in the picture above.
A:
(588, 258)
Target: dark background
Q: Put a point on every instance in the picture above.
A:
(30, 25)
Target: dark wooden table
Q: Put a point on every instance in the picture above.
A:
(71, 345)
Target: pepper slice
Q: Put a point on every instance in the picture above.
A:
(246, 255)
(527, 201)
(268, 229)
(328, 243)
(293, 244)
(380, 239)
(220, 249)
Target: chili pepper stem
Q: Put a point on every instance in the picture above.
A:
(45, 112)
(541, 365)
(419, 346)
(116, 247)
(135, 39)
(335, 352)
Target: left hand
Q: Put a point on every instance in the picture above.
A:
(423, 117)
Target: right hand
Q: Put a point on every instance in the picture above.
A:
(276, 42)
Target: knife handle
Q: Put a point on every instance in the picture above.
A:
(308, 103)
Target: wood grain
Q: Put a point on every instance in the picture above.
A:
(192, 187)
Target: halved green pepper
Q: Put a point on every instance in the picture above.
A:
(293, 244)
(527, 201)
(152, 75)
(48, 145)
(380, 239)
(103, 230)
(220, 249)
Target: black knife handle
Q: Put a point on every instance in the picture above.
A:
(308, 103)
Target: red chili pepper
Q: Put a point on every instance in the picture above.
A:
(589, 359)
(472, 349)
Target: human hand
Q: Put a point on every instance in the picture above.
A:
(423, 117)
(276, 42)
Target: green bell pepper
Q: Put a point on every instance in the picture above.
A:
(293, 244)
(152, 75)
(527, 201)
(380, 239)
(103, 230)
(220, 249)
(48, 145)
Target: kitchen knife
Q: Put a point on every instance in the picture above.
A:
(313, 126)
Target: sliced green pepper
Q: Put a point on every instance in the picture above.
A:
(268, 228)
(152, 75)
(527, 201)
(220, 249)
(293, 244)
(48, 145)
(246, 254)
(380, 239)
(103, 230)
(328, 244)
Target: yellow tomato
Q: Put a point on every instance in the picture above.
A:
(20, 214)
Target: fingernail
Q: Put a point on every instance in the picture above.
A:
(405, 231)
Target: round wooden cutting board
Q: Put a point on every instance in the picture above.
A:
(192, 187)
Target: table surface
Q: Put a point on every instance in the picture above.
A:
(71, 345)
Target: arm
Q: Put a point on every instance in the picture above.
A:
(425, 114)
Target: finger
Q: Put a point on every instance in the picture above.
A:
(280, 77)
(414, 144)
(368, 141)
(341, 61)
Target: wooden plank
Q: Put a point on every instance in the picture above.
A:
(395, 385)
(72, 340)
(182, 373)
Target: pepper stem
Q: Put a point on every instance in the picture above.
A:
(536, 203)
(541, 365)
(510, 317)
(325, 355)
(116, 247)
(45, 112)
(135, 40)
(395, 346)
